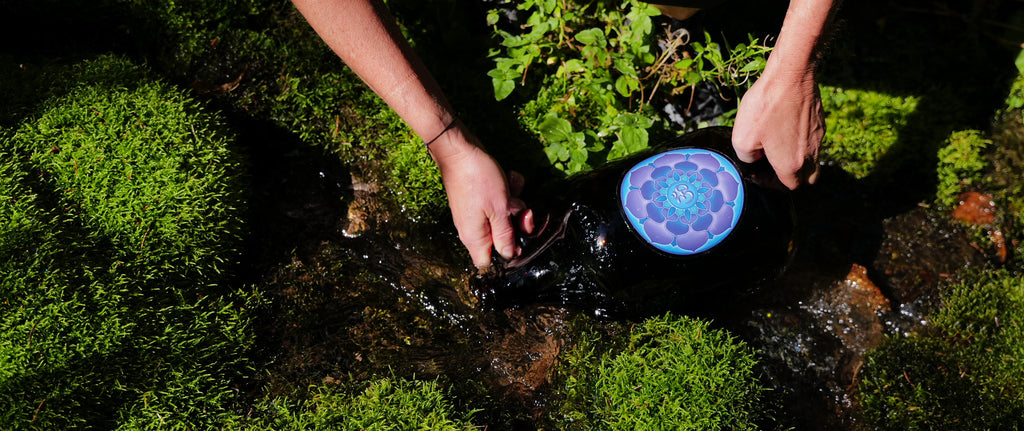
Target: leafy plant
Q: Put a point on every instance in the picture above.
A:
(1015, 100)
(588, 72)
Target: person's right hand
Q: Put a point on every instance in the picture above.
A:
(481, 202)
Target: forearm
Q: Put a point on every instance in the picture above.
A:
(803, 33)
(365, 37)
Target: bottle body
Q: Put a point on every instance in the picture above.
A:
(653, 231)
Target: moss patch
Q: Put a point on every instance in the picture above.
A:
(120, 222)
(381, 405)
(671, 373)
(863, 126)
(966, 375)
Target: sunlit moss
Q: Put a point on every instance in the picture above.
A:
(961, 163)
(965, 375)
(862, 126)
(668, 373)
(120, 222)
(381, 405)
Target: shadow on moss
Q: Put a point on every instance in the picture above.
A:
(121, 223)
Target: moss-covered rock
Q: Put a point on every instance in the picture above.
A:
(961, 163)
(965, 375)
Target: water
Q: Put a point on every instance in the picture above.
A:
(354, 297)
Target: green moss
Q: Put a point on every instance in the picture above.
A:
(671, 373)
(862, 126)
(143, 165)
(120, 221)
(381, 405)
(300, 85)
(961, 163)
(967, 375)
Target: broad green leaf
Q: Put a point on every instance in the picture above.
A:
(555, 129)
(1020, 61)
(552, 150)
(592, 36)
(624, 67)
(573, 65)
(623, 84)
(633, 138)
(683, 64)
(618, 150)
(755, 65)
(503, 88)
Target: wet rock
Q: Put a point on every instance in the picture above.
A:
(979, 209)
(976, 208)
(523, 355)
(362, 206)
(859, 306)
(919, 250)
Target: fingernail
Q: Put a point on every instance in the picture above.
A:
(508, 252)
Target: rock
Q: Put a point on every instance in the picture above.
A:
(976, 208)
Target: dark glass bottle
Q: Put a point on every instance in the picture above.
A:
(652, 232)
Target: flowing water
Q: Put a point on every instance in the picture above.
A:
(356, 291)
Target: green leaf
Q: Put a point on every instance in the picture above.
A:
(552, 150)
(592, 36)
(502, 88)
(573, 65)
(618, 150)
(633, 138)
(755, 65)
(622, 85)
(555, 129)
(683, 64)
(625, 67)
(1020, 61)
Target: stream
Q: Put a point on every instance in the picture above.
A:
(358, 291)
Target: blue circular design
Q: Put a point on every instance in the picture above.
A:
(684, 201)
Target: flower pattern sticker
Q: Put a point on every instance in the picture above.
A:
(683, 201)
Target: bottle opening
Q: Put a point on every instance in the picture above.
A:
(683, 201)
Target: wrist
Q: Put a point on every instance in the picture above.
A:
(452, 145)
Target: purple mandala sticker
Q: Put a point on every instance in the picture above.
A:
(683, 201)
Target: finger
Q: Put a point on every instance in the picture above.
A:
(503, 236)
(794, 176)
(810, 171)
(748, 148)
(479, 250)
(525, 221)
(748, 154)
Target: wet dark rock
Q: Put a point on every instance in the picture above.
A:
(920, 250)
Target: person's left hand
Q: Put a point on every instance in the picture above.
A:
(781, 118)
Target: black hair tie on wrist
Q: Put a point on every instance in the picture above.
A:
(446, 129)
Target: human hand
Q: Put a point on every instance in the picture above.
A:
(781, 118)
(482, 203)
